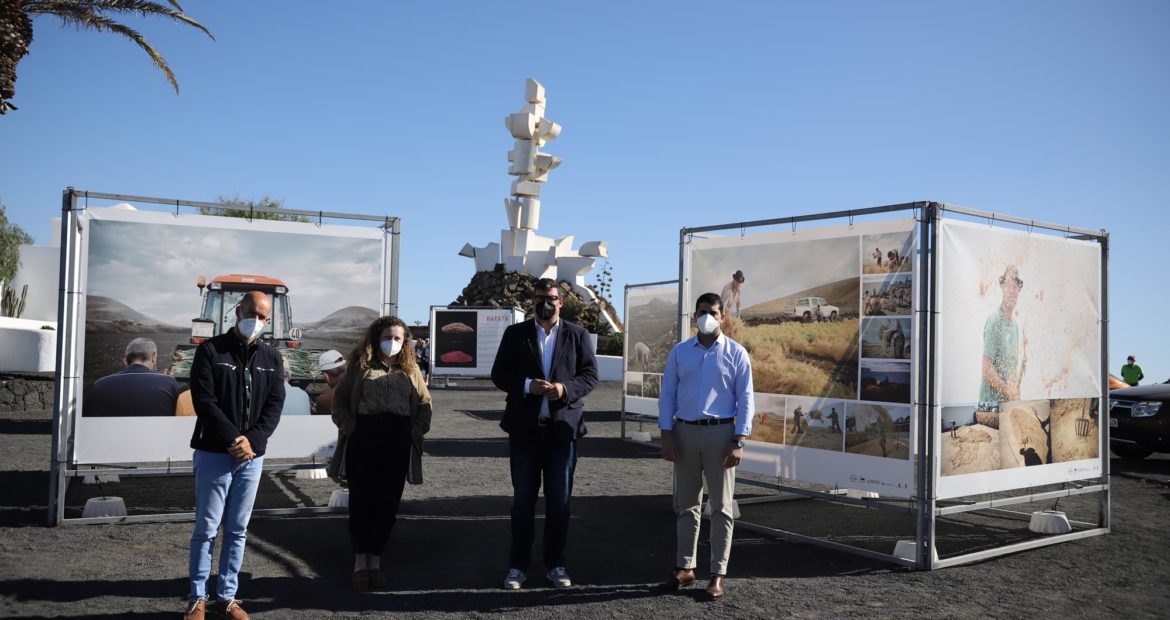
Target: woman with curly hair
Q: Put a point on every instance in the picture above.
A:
(383, 408)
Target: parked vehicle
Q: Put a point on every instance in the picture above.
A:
(810, 309)
(1139, 420)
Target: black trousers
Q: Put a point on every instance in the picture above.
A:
(533, 460)
(376, 463)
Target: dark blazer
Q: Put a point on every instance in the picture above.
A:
(133, 391)
(574, 365)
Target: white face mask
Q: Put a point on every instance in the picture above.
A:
(390, 348)
(707, 324)
(250, 329)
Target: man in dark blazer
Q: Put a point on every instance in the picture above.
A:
(546, 366)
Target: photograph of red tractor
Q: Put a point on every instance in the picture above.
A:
(220, 297)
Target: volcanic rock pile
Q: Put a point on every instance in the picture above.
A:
(502, 289)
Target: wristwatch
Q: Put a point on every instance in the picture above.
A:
(739, 443)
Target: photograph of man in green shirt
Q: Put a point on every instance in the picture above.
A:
(1002, 370)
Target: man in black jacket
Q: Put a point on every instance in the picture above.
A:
(238, 393)
(546, 366)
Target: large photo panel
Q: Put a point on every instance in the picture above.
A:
(165, 283)
(1019, 359)
(651, 331)
(826, 315)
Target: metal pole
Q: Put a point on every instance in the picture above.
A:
(905, 206)
(683, 284)
(174, 202)
(927, 349)
(1103, 506)
(1011, 219)
(625, 353)
(395, 232)
(64, 387)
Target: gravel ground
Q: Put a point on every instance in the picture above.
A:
(449, 551)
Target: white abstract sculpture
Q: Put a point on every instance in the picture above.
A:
(520, 248)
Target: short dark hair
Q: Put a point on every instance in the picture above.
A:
(545, 284)
(710, 299)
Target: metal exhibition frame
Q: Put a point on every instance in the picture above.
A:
(925, 504)
(67, 384)
(626, 352)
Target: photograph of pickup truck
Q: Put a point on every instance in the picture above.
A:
(799, 319)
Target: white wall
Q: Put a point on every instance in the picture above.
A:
(609, 367)
(38, 269)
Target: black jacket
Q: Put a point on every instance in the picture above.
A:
(133, 391)
(218, 393)
(574, 365)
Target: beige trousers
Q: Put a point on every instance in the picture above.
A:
(701, 450)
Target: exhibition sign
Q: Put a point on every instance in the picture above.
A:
(464, 341)
(651, 331)
(1019, 357)
(176, 280)
(826, 315)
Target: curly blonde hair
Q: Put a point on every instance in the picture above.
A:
(369, 348)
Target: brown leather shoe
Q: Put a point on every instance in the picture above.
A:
(377, 578)
(680, 578)
(228, 609)
(196, 610)
(715, 587)
(361, 579)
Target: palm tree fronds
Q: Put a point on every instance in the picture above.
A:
(78, 10)
(101, 23)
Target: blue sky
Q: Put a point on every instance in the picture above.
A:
(675, 114)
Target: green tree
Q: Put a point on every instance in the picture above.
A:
(238, 207)
(16, 30)
(11, 238)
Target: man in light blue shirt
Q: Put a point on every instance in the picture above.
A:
(705, 414)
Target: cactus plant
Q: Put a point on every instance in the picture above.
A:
(11, 305)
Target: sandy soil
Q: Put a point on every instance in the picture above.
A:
(1020, 430)
(974, 448)
(448, 553)
(768, 426)
(1067, 444)
(897, 446)
(812, 437)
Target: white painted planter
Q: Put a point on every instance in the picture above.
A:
(27, 347)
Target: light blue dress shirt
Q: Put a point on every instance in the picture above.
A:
(548, 344)
(707, 382)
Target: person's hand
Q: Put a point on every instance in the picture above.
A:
(670, 452)
(540, 387)
(733, 456)
(241, 449)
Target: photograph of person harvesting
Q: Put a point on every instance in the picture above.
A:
(382, 408)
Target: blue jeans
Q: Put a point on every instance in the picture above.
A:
(224, 491)
(531, 458)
